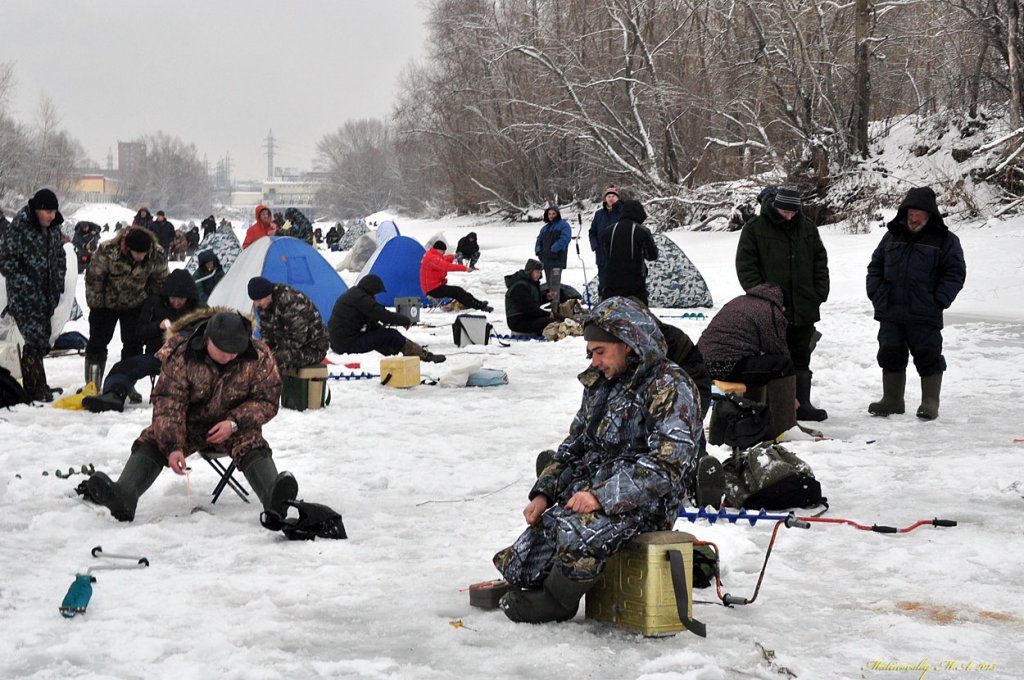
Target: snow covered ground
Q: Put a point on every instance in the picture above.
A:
(432, 481)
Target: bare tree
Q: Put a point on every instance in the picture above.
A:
(359, 161)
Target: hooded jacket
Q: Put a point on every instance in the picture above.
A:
(468, 245)
(114, 280)
(357, 312)
(552, 246)
(164, 232)
(633, 442)
(257, 230)
(434, 269)
(629, 246)
(750, 325)
(194, 393)
(292, 327)
(157, 307)
(789, 253)
(206, 281)
(33, 263)
(912, 277)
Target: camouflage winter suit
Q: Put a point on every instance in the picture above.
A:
(293, 328)
(115, 281)
(194, 393)
(33, 262)
(632, 444)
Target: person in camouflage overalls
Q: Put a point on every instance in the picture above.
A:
(625, 468)
(123, 273)
(218, 387)
(290, 324)
(33, 263)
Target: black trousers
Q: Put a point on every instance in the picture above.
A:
(897, 341)
(798, 338)
(101, 331)
(461, 295)
(534, 325)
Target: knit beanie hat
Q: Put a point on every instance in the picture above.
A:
(43, 200)
(260, 288)
(612, 190)
(439, 245)
(228, 331)
(533, 265)
(788, 198)
(138, 241)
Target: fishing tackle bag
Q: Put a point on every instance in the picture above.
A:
(770, 476)
(738, 422)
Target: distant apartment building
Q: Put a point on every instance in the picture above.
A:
(131, 160)
(278, 195)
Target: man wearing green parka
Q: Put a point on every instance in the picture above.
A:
(782, 246)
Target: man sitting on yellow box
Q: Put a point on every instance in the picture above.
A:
(628, 463)
(358, 324)
(290, 324)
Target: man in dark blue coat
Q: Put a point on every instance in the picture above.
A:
(915, 273)
(607, 215)
(552, 249)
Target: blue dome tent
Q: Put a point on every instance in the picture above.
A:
(281, 259)
(397, 263)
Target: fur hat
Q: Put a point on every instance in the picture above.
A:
(138, 241)
(43, 200)
(260, 288)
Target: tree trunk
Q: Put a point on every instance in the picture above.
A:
(862, 80)
(1013, 61)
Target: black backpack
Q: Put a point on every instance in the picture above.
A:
(738, 422)
(11, 391)
(314, 521)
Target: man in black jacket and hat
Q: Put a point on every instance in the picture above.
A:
(915, 273)
(359, 323)
(629, 246)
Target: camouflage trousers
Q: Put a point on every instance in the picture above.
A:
(577, 543)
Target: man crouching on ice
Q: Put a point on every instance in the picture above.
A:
(625, 468)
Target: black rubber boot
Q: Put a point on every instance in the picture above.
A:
(710, 482)
(112, 400)
(274, 488)
(133, 395)
(95, 367)
(411, 349)
(893, 386)
(931, 386)
(781, 396)
(121, 497)
(557, 600)
(807, 410)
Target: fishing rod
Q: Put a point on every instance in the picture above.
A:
(586, 281)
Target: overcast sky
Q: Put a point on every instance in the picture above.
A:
(216, 73)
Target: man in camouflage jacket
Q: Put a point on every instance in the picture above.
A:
(290, 324)
(124, 271)
(218, 386)
(33, 263)
(625, 468)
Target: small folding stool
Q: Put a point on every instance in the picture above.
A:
(226, 473)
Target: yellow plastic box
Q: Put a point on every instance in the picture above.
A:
(400, 371)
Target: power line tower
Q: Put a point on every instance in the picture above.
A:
(269, 146)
